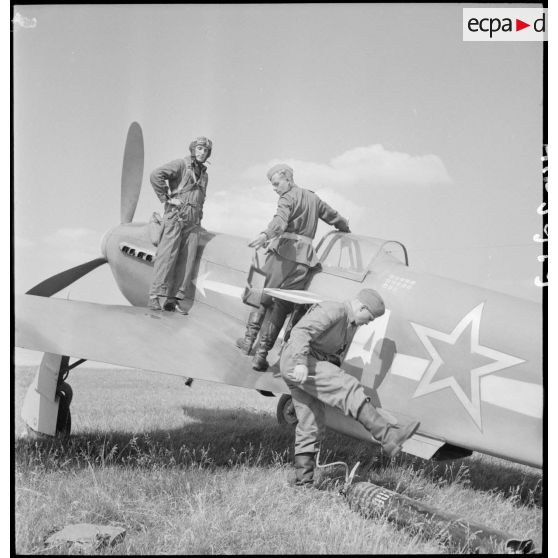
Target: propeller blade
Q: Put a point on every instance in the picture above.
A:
(57, 282)
(132, 173)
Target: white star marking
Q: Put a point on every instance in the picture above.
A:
(501, 360)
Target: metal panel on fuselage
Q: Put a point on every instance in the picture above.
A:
(219, 277)
(222, 273)
(466, 361)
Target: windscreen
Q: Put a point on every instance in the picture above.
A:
(351, 256)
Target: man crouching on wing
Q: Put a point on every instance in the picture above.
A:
(310, 366)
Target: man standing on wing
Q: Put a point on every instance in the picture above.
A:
(309, 365)
(181, 185)
(291, 257)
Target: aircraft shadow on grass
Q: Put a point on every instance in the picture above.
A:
(228, 437)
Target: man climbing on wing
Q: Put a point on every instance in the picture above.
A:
(290, 256)
(181, 185)
(310, 365)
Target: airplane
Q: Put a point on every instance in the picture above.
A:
(464, 360)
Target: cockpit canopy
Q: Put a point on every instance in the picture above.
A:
(351, 256)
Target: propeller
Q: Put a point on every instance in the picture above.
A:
(132, 173)
(130, 185)
(61, 280)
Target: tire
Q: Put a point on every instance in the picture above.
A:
(64, 420)
(285, 411)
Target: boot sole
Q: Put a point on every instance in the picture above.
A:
(173, 309)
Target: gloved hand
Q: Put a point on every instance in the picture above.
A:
(299, 373)
(259, 241)
(342, 225)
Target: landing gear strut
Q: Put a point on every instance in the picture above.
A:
(46, 406)
(64, 394)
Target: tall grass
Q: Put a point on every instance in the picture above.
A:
(204, 470)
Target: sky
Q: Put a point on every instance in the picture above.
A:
(382, 109)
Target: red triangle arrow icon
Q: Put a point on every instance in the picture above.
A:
(519, 25)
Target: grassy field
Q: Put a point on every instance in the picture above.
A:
(203, 470)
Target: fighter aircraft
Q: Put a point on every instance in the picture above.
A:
(465, 361)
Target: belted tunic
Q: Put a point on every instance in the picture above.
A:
(294, 225)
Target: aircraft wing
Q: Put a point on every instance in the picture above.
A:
(200, 345)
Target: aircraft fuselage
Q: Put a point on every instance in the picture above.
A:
(465, 361)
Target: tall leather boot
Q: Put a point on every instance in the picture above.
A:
(278, 313)
(267, 340)
(304, 464)
(253, 326)
(391, 436)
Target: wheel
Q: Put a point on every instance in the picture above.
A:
(64, 420)
(67, 390)
(285, 410)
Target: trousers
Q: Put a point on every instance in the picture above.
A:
(175, 257)
(327, 384)
(281, 273)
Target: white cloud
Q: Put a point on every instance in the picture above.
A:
(372, 165)
(377, 165)
(350, 182)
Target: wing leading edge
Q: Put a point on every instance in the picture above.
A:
(200, 345)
